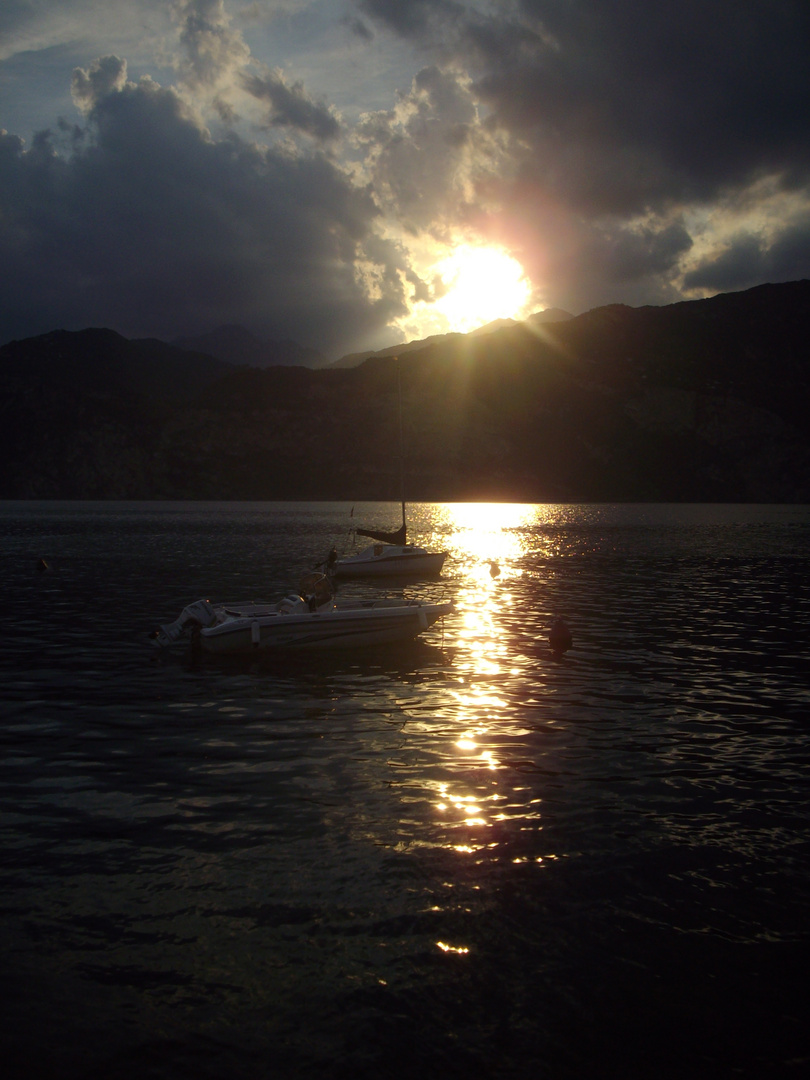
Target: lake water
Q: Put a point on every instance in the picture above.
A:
(463, 858)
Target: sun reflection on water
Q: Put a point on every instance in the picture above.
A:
(486, 538)
(461, 950)
(488, 542)
(477, 804)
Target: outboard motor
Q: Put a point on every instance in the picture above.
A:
(316, 590)
(200, 613)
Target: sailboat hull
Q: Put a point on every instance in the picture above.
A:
(391, 556)
(386, 560)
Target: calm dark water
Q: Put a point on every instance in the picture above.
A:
(460, 859)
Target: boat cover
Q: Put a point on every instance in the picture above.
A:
(397, 537)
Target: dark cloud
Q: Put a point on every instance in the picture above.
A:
(615, 112)
(420, 156)
(152, 227)
(291, 107)
(632, 253)
(748, 260)
(211, 47)
(588, 137)
(665, 100)
(789, 253)
(415, 18)
(359, 28)
(586, 262)
(109, 73)
(741, 264)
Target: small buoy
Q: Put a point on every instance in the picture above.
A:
(42, 566)
(559, 636)
(494, 569)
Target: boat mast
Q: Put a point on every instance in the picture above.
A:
(401, 449)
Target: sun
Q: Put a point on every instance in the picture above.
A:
(470, 285)
(479, 285)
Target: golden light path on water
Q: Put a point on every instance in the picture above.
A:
(480, 808)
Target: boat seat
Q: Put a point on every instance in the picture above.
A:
(292, 605)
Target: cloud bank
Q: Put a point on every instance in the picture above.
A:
(623, 152)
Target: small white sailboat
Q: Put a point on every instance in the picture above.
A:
(313, 620)
(391, 555)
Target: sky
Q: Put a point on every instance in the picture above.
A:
(352, 174)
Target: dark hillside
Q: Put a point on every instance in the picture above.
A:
(104, 361)
(697, 401)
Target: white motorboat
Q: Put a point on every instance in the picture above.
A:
(299, 623)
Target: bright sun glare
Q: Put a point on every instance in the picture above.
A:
(482, 284)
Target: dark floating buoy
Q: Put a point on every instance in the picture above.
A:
(494, 569)
(559, 636)
(42, 566)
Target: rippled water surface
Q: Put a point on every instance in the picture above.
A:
(465, 857)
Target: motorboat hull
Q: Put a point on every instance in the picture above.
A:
(250, 628)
